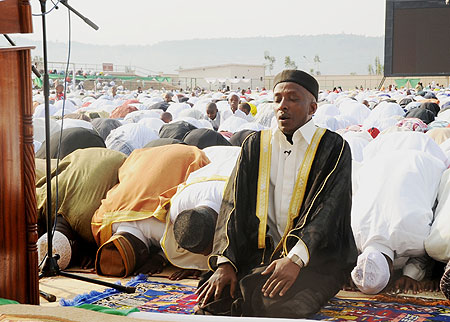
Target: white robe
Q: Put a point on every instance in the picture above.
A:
(409, 140)
(392, 209)
(437, 244)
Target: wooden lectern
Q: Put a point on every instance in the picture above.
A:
(18, 222)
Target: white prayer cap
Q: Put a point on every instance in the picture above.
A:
(233, 94)
(371, 274)
(60, 245)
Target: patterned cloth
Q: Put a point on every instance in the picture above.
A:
(362, 310)
(150, 296)
(413, 124)
(445, 282)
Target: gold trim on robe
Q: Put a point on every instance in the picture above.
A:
(299, 188)
(262, 198)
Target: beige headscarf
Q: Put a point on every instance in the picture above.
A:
(439, 135)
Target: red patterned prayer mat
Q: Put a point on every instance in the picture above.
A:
(373, 310)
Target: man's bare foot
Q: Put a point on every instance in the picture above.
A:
(429, 285)
(406, 285)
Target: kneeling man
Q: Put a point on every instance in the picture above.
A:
(283, 244)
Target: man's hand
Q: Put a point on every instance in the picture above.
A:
(183, 273)
(405, 284)
(223, 276)
(284, 274)
(154, 265)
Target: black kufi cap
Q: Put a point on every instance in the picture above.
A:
(194, 229)
(299, 77)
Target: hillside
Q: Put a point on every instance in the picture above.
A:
(339, 54)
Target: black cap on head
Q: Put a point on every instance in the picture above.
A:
(194, 229)
(299, 77)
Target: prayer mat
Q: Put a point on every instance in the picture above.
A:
(373, 310)
(150, 296)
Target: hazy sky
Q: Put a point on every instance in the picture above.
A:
(146, 22)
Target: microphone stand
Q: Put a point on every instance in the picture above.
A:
(50, 267)
(85, 19)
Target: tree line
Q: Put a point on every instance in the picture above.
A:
(289, 63)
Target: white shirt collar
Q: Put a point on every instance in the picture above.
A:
(307, 131)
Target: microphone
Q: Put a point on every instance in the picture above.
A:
(288, 152)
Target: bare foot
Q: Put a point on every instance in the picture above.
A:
(406, 285)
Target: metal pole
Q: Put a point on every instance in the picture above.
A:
(50, 267)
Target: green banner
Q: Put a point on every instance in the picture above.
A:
(401, 82)
(414, 81)
(113, 77)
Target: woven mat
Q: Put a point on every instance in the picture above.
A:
(150, 296)
(387, 310)
(153, 296)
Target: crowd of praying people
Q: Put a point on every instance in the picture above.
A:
(275, 199)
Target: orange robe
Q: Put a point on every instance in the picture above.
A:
(147, 180)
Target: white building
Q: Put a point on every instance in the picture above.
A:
(220, 76)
